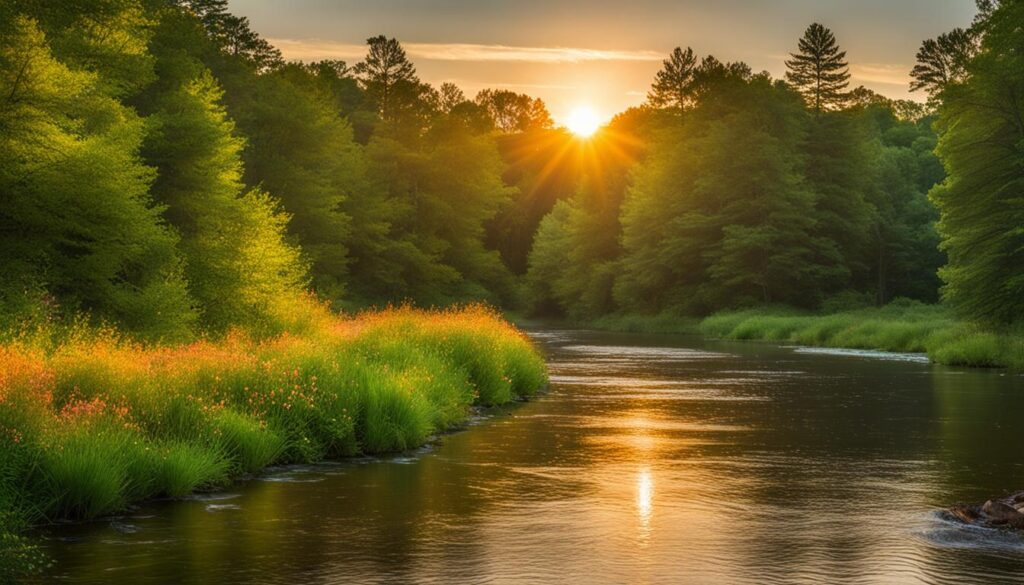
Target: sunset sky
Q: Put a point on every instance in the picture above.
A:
(602, 53)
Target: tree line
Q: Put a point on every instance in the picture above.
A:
(752, 190)
(802, 192)
(163, 168)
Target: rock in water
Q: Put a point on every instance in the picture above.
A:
(1005, 512)
(1001, 513)
(965, 513)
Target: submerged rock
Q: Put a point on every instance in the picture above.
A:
(1002, 512)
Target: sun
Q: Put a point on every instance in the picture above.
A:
(583, 121)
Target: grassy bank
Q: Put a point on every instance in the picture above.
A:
(97, 421)
(900, 327)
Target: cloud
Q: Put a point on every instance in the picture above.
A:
(311, 49)
(881, 73)
(884, 73)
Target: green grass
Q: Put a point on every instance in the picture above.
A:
(667, 322)
(900, 327)
(92, 424)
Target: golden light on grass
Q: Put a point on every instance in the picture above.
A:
(583, 121)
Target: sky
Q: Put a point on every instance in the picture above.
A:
(602, 54)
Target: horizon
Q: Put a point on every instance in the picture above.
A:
(573, 65)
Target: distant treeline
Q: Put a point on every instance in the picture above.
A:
(752, 191)
(163, 168)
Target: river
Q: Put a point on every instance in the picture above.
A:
(652, 459)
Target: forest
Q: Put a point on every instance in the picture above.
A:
(167, 172)
(168, 178)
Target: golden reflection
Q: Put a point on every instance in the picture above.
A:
(644, 505)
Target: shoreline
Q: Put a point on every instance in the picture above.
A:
(898, 328)
(99, 425)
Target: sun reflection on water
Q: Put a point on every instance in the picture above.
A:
(644, 505)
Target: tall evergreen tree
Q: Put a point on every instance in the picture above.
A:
(673, 86)
(942, 60)
(390, 81)
(233, 35)
(819, 70)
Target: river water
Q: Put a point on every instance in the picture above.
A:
(652, 459)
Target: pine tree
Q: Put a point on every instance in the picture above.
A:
(819, 71)
(942, 60)
(389, 79)
(673, 86)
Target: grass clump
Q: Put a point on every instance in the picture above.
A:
(903, 326)
(93, 423)
(665, 322)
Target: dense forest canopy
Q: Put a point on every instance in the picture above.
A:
(164, 169)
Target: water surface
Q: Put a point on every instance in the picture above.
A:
(653, 459)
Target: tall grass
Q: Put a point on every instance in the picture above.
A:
(900, 327)
(97, 421)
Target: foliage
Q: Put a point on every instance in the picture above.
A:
(78, 221)
(819, 70)
(100, 421)
(903, 326)
(981, 144)
(514, 112)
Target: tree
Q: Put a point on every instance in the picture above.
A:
(514, 112)
(302, 151)
(980, 138)
(819, 70)
(942, 60)
(720, 215)
(906, 256)
(450, 97)
(238, 265)
(390, 81)
(233, 35)
(547, 261)
(673, 86)
(339, 83)
(77, 224)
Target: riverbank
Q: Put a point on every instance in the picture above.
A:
(98, 421)
(910, 327)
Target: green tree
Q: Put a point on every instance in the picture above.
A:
(77, 222)
(391, 84)
(450, 97)
(237, 264)
(233, 35)
(514, 112)
(942, 60)
(819, 70)
(906, 256)
(422, 238)
(720, 214)
(547, 261)
(302, 151)
(673, 86)
(980, 144)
